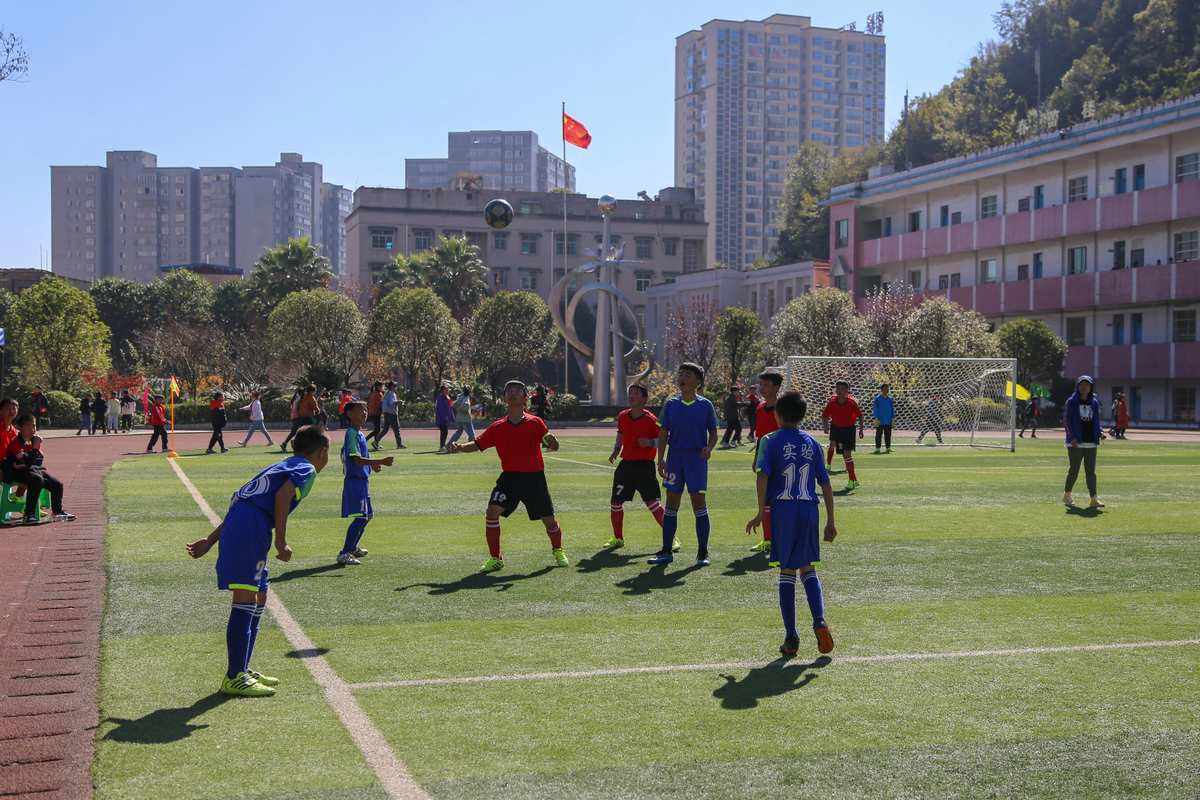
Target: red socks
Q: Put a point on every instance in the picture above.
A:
(555, 535)
(829, 456)
(492, 531)
(616, 513)
(766, 524)
(850, 468)
(655, 508)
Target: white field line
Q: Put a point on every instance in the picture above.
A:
(392, 773)
(886, 469)
(883, 658)
(582, 463)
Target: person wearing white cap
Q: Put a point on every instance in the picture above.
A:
(1081, 418)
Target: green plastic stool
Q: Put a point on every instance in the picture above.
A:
(12, 508)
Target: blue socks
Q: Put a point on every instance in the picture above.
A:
(354, 534)
(787, 603)
(670, 525)
(254, 623)
(237, 637)
(702, 529)
(812, 590)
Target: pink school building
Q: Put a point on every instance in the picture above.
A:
(1094, 229)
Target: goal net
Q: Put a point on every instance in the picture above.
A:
(953, 401)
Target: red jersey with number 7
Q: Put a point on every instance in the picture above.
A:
(633, 428)
(842, 415)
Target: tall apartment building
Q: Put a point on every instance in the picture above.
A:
(1094, 229)
(131, 216)
(509, 160)
(665, 236)
(746, 95)
(336, 204)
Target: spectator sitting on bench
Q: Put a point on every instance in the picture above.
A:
(23, 464)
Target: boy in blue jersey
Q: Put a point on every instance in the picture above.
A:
(790, 467)
(356, 496)
(884, 410)
(244, 541)
(688, 433)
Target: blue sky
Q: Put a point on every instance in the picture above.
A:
(361, 86)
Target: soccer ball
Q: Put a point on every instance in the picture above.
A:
(498, 213)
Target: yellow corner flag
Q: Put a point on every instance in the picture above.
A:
(174, 387)
(1021, 392)
(172, 392)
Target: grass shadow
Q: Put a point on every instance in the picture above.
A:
(779, 677)
(478, 580)
(608, 559)
(654, 578)
(755, 562)
(164, 725)
(1089, 513)
(308, 652)
(843, 492)
(308, 572)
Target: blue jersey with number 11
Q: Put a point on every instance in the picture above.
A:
(794, 465)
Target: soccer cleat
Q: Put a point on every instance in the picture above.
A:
(675, 545)
(790, 646)
(492, 565)
(560, 557)
(1095, 503)
(348, 560)
(876, 451)
(266, 680)
(64, 516)
(702, 559)
(614, 543)
(889, 450)
(661, 558)
(244, 685)
(1068, 501)
(762, 546)
(824, 638)
(852, 485)
(360, 552)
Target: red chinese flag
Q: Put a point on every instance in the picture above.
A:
(575, 132)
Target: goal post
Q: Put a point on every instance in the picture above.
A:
(952, 401)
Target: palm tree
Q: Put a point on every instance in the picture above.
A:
(293, 267)
(452, 269)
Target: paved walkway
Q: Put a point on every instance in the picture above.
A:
(51, 596)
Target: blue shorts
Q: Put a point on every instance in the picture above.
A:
(243, 548)
(795, 534)
(686, 468)
(356, 498)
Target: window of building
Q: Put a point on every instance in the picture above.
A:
(1187, 246)
(669, 277)
(1135, 328)
(955, 280)
(1022, 272)
(1076, 330)
(943, 282)
(422, 239)
(691, 255)
(1077, 189)
(1183, 406)
(914, 221)
(988, 206)
(642, 281)
(1139, 177)
(644, 247)
(529, 207)
(1183, 327)
(987, 271)
(670, 246)
(887, 226)
(572, 244)
(529, 244)
(1023, 204)
(1119, 179)
(529, 280)
(1076, 260)
(376, 269)
(500, 240)
(1039, 197)
(944, 216)
(842, 234)
(956, 218)
(499, 278)
(1119, 254)
(1187, 167)
(914, 279)
(1118, 329)
(381, 238)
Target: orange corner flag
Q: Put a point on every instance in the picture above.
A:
(575, 132)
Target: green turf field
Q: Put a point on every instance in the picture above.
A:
(942, 550)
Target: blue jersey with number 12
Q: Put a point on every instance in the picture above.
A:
(794, 465)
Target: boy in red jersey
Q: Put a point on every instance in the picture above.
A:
(518, 439)
(838, 418)
(637, 444)
(769, 382)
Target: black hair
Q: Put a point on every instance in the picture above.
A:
(641, 388)
(8, 400)
(391, 384)
(772, 375)
(841, 382)
(351, 404)
(885, 386)
(791, 408)
(515, 382)
(309, 440)
(378, 385)
(695, 369)
(23, 418)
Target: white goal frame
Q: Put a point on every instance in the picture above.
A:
(965, 399)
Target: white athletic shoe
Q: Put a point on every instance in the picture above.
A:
(348, 559)
(1068, 501)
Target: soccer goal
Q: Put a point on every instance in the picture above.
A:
(953, 401)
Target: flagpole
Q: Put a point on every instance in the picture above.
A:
(566, 344)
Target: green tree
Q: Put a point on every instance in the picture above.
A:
(739, 339)
(509, 330)
(822, 322)
(321, 332)
(57, 335)
(296, 266)
(179, 296)
(452, 269)
(690, 332)
(805, 231)
(885, 311)
(1038, 349)
(190, 351)
(237, 316)
(939, 328)
(414, 329)
(122, 306)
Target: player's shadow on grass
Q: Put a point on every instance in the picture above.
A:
(478, 580)
(608, 559)
(165, 725)
(1084, 512)
(307, 572)
(779, 677)
(654, 578)
(755, 562)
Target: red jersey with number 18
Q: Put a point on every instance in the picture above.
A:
(519, 445)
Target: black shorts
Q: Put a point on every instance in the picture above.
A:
(514, 488)
(842, 438)
(635, 477)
